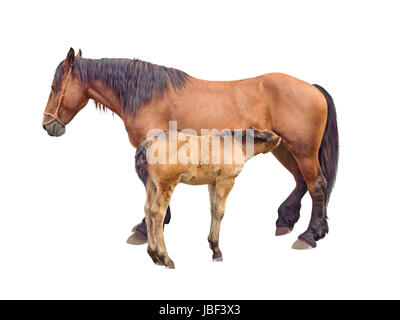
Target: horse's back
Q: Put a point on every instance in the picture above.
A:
(260, 102)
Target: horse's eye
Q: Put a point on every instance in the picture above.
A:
(53, 87)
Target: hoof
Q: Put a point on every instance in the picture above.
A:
(301, 245)
(217, 256)
(280, 231)
(218, 259)
(137, 238)
(170, 265)
(136, 227)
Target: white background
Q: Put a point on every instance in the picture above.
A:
(67, 204)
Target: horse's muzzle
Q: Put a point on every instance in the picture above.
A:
(54, 128)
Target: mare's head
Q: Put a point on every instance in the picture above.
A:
(67, 97)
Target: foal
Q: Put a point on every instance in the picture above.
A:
(169, 158)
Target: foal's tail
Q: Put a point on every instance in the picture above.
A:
(329, 150)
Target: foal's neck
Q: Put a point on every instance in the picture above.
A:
(259, 147)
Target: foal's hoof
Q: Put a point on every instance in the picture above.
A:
(280, 231)
(217, 256)
(170, 265)
(301, 245)
(218, 259)
(137, 238)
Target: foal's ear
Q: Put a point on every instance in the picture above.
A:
(79, 54)
(69, 60)
(268, 136)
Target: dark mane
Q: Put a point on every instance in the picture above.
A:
(134, 82)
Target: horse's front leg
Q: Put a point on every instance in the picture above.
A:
(218, 194)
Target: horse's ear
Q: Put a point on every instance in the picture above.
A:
(79, 54)
(251, 131)
(69, 60)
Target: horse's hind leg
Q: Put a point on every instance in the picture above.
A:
(289, 210)
(157, 214)
(317, 186)
(218, 195)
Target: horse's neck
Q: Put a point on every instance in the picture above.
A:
(136, 125)
(101, 94)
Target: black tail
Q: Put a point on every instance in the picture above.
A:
(141, 170)
(329, 150)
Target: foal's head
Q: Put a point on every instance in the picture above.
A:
(265, 141)
(67, 97)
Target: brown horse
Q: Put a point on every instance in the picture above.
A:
(148, 96)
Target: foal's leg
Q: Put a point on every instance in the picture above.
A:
(212, 194)
(317, 185)
(289, 210)
(151, 247)
(142, 228)
(218, 195)
(157, 213)
(139, 235)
